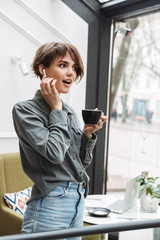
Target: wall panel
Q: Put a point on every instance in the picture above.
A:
(25, 26)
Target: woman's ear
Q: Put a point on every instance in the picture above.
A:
(41, 67)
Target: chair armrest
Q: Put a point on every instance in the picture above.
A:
(12, 214)
(10, 221)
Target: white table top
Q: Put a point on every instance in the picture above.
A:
(134, 213)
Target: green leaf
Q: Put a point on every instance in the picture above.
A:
(156, 195)
(151, 181)
(149, 191)
(151, 178)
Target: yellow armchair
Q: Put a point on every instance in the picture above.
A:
(12, 179)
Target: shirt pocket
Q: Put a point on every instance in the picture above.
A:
(76, 137)
(76, 130)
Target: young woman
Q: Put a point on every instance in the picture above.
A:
(54, 151)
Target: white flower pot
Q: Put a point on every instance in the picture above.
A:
(148, 204)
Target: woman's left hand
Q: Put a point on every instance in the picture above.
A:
(89, 129)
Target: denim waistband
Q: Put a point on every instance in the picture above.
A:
(73, 185)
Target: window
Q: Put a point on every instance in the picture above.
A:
(134, 135)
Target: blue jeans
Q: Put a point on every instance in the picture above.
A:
(61, 209)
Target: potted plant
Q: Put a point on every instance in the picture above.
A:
(149, 192)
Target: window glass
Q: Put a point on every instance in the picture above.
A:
(134, 135)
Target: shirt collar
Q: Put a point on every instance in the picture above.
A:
(44, 105)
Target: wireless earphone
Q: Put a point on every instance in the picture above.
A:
(44, 72)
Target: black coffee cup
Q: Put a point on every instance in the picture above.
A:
(91, 116)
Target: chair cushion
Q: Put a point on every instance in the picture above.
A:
(17, 201)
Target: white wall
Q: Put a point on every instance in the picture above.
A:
(25, 25)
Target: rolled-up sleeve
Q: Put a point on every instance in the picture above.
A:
(51, 141)
(87, 146)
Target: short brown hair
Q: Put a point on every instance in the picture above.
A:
(49, 51)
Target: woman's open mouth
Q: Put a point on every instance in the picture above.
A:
(67, 82)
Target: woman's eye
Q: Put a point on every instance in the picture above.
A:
(62, 65)
(75, 68)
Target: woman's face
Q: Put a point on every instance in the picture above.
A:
(63, 69)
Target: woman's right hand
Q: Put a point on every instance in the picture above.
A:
(50, 93)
